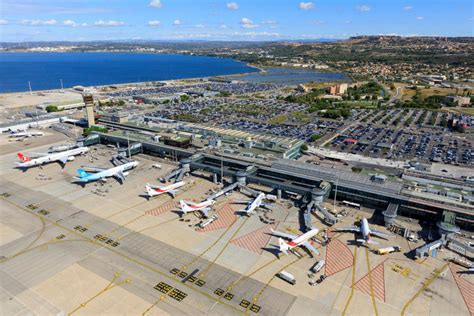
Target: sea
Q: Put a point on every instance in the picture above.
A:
(45, 71)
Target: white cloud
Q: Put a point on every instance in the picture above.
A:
(318, 22)
(247, 23)
(269, 22)
(70, 23)
(407, 8)
(84, 24)
(348, 22)
(177, 22)
(232, 6)
(223, 26)
(363, 8)
(3, 22)
(39, 22)
(108, 23)
(306, 5)
(256, 34)
(199, 26)
(156, 4)
(419, 18)
(471, 18)
(154, 23)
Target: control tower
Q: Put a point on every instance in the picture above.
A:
(89, 102)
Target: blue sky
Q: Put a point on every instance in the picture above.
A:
(31, 20)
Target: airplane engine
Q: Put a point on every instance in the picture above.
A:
(70, 158)
(126, 173)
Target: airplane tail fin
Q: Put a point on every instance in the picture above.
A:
(149, 190)
(184, 207)
(283, 246)
(23, 157)
(173, 193)
(82, 173)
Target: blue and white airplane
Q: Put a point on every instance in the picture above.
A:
(119, 172)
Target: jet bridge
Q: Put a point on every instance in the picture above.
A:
(222, 192)
(317, 196)
(178, 173)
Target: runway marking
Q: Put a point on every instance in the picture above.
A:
(257, 296)
(226, 218)
(434, 275)
(126, 257)
(255, 240)
(338, 257)
(373, 283)
(206, 270)
(162, 208)
(110, 286)
(353, 281)
(28, 247)
(465, 287)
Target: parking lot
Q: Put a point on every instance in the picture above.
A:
(423, 144)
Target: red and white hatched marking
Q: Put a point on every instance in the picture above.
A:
(338, 257)
(378, 283)
(162, 208)
(465, 287)
(225, 218)
(255, 240)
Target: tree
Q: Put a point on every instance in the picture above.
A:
(52, 108)
(304, 147)
(315, 137)
(184, 97)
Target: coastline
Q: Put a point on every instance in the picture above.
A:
(99, 86)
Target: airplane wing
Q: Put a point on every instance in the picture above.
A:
(284, 235)
(240, 202)
(120, 176)
(63, 159)
(379, 234)
(354, 229)
(310, 247)
(93, 169)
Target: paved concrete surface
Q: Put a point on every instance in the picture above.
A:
(105, 249)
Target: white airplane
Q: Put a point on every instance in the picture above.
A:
(154, 190)
(253, 204)
(296, 241)
(119, 172)
(365, 231)
(204, 207)
(25, 134)
(61, 157)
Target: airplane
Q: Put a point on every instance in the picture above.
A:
(254, 204)
(203, 207)
(25, 134)
(365, 231)
(119, 172)
(468, 271)
(61, 157)
(154, 190)
(296, 241)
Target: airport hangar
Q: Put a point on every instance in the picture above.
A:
(286, 175)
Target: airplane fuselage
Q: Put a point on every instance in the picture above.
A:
(298, 241)
(364, 229)
(154, 191)
(255, 203)
(109, 172)
(69, 155)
